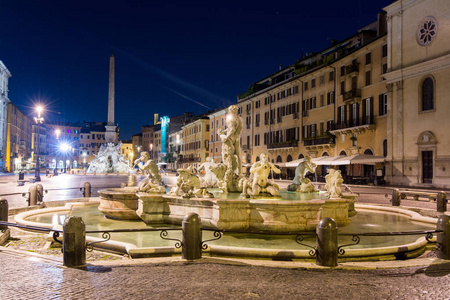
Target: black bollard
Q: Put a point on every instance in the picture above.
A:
(3, 213)
(443, 238)
(327, 243)
(395, 197)
(192, 237)
(74, 242)
(441, 202)
(87, 189)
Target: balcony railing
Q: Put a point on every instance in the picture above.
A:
(353, 93)
(289, 144)
(189, 159)
(320, 140)
(369, 120)
(245, 147)
(352, 68)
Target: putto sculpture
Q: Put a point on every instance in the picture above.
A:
(188, 185)
(333, 182)
(152, 183)
(259, 179)
(301, 183)
(210, 179)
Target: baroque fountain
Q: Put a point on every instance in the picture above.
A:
(238, 202)
(227, 200)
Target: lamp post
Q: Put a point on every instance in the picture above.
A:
(38, 120)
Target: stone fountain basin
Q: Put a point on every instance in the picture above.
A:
(119, 203)
(272, 215)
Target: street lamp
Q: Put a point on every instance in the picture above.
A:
(38, 120)
(64, 148)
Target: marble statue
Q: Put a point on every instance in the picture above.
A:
(301, 183)
(188, 185)
(260, 183)
(109, 160)
(333, 182)
(152, 183)
(231, 151)
(210, 179)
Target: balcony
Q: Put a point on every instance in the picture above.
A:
(289, 144)
(353, 94)
(245, 147)
(354, 125)
(352, 68)
(189, 159)
(319, 141)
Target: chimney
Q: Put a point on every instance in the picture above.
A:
(155, 119)
(381, 24)
(281, 67)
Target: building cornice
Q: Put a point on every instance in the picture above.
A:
(419, 69)
(398, 7)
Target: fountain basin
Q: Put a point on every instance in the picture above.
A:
(227, 212)
(119, 203)
(148, 244)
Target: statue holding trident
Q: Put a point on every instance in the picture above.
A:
(231, 151)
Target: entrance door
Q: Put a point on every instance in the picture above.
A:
(427, 166)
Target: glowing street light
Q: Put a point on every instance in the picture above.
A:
(64, 148)
(38, 120)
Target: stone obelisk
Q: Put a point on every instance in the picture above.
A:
(110, 135)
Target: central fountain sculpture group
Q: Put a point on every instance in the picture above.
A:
(253, 211)
(228, 176)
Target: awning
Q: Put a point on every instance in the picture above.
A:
(294, 163)
(363, 159)
(280, 165)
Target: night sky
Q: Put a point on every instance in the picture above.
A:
(171, 56)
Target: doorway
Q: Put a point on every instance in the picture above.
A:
(427, 166)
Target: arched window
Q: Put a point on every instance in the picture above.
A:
(289, 158)
(325, 154)
(301, 156)
(368, 152)
(428, 94)
(279, 159)
(343, 153)
(257, 158)
(385, 148)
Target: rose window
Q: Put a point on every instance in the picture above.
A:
(426, 31)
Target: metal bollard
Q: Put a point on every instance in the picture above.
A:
(192, 237)
(327, 243)
(87, 189)
(74, 242)
(396, 197)
(32, 192)
(3, 213)
(39, 193)
(443, 238)
(441, 202)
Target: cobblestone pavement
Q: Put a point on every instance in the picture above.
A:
(31, 279)
(28, 275)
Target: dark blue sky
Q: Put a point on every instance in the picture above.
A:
(171, 56)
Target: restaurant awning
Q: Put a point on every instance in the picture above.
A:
(363, 159)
